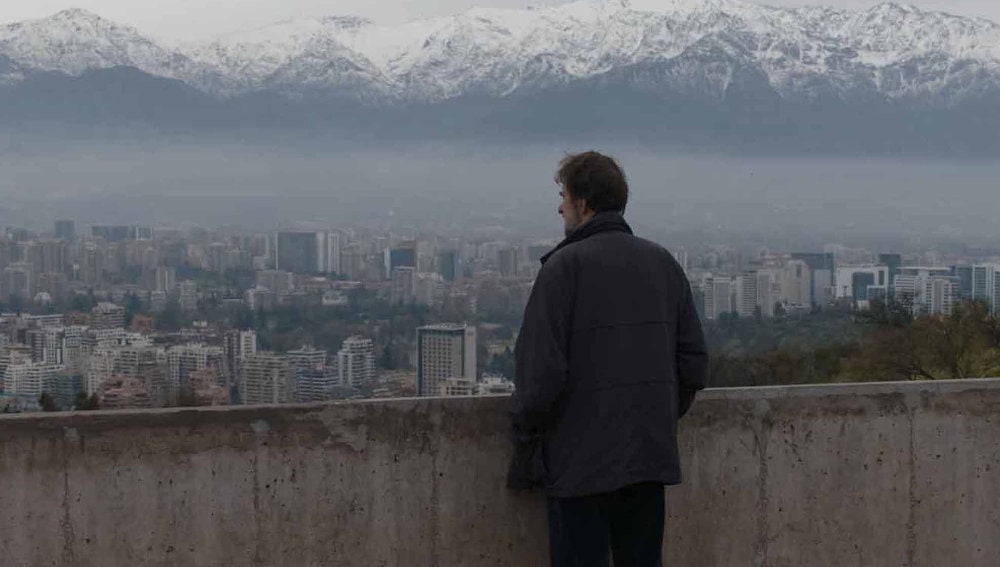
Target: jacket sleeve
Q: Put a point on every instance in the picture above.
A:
(541, 363)
(692, 354)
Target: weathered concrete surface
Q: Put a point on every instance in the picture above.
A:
(859, 475)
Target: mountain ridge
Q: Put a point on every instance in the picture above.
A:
(680, 64)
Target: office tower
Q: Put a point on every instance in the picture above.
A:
(356, 362)
(766, 293)
(929, 291)
(893, 262)
(718, 297)
(509, 262)
(939, 295)
(237, 346)
(964, 275)
(107, 316)
(747, 294)
(188, 295)
(164, 279)
(298, 252)
(444, 352)
(313, 383)
(267, 378)
(448, 264)
(986, 285)
(403, 284)
(822, 274)
(334, 243)
(403, 255)
(795, 283)
(48, 256)
(18, 280)
(66, 229)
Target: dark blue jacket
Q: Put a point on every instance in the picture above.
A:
(610, 356)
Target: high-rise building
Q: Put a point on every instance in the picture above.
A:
(334, 244)
(718, 293)
(822, 274)
(296, 251)
(304, 252)
(29, 379)
(448, 264)
(857, 282)
(164, 278)
(403, 284)
(986, 285)
(892, 262)
(356, 362)
(509, 262)
(929, 291)
(766, 292)
(747, 300)
(445, 351)
(796, 288)
(939, 296)
(964, 275)
(403, 255)
(66, 229)
(188, 295)
(18, 281)
(313, 383)
(184, 360)
(267, 378)
(107, 316)
(237, 346)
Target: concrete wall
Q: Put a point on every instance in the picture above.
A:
(861, 475)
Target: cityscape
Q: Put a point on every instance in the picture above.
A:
(116, 317)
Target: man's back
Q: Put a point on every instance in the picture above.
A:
(631, 323)
(610, 355)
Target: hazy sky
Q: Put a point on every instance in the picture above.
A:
(194, 19)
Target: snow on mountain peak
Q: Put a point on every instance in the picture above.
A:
(896, 48)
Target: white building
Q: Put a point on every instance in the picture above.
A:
(986, 285)
(30, 379)
(356, 362)
(185, 360)
(267, 378)
(313, 382)
(444, 352)
(718, 296)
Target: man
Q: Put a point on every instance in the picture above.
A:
(610, 356)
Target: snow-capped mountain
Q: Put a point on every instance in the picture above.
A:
(75, 41)
(898, 51)
(893, 50)
(662, 68)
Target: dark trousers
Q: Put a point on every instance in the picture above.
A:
(628, 524)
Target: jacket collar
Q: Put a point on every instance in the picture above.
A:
(606, 221)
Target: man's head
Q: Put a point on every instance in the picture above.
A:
(589, 183)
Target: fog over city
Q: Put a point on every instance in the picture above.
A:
(677, 198)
